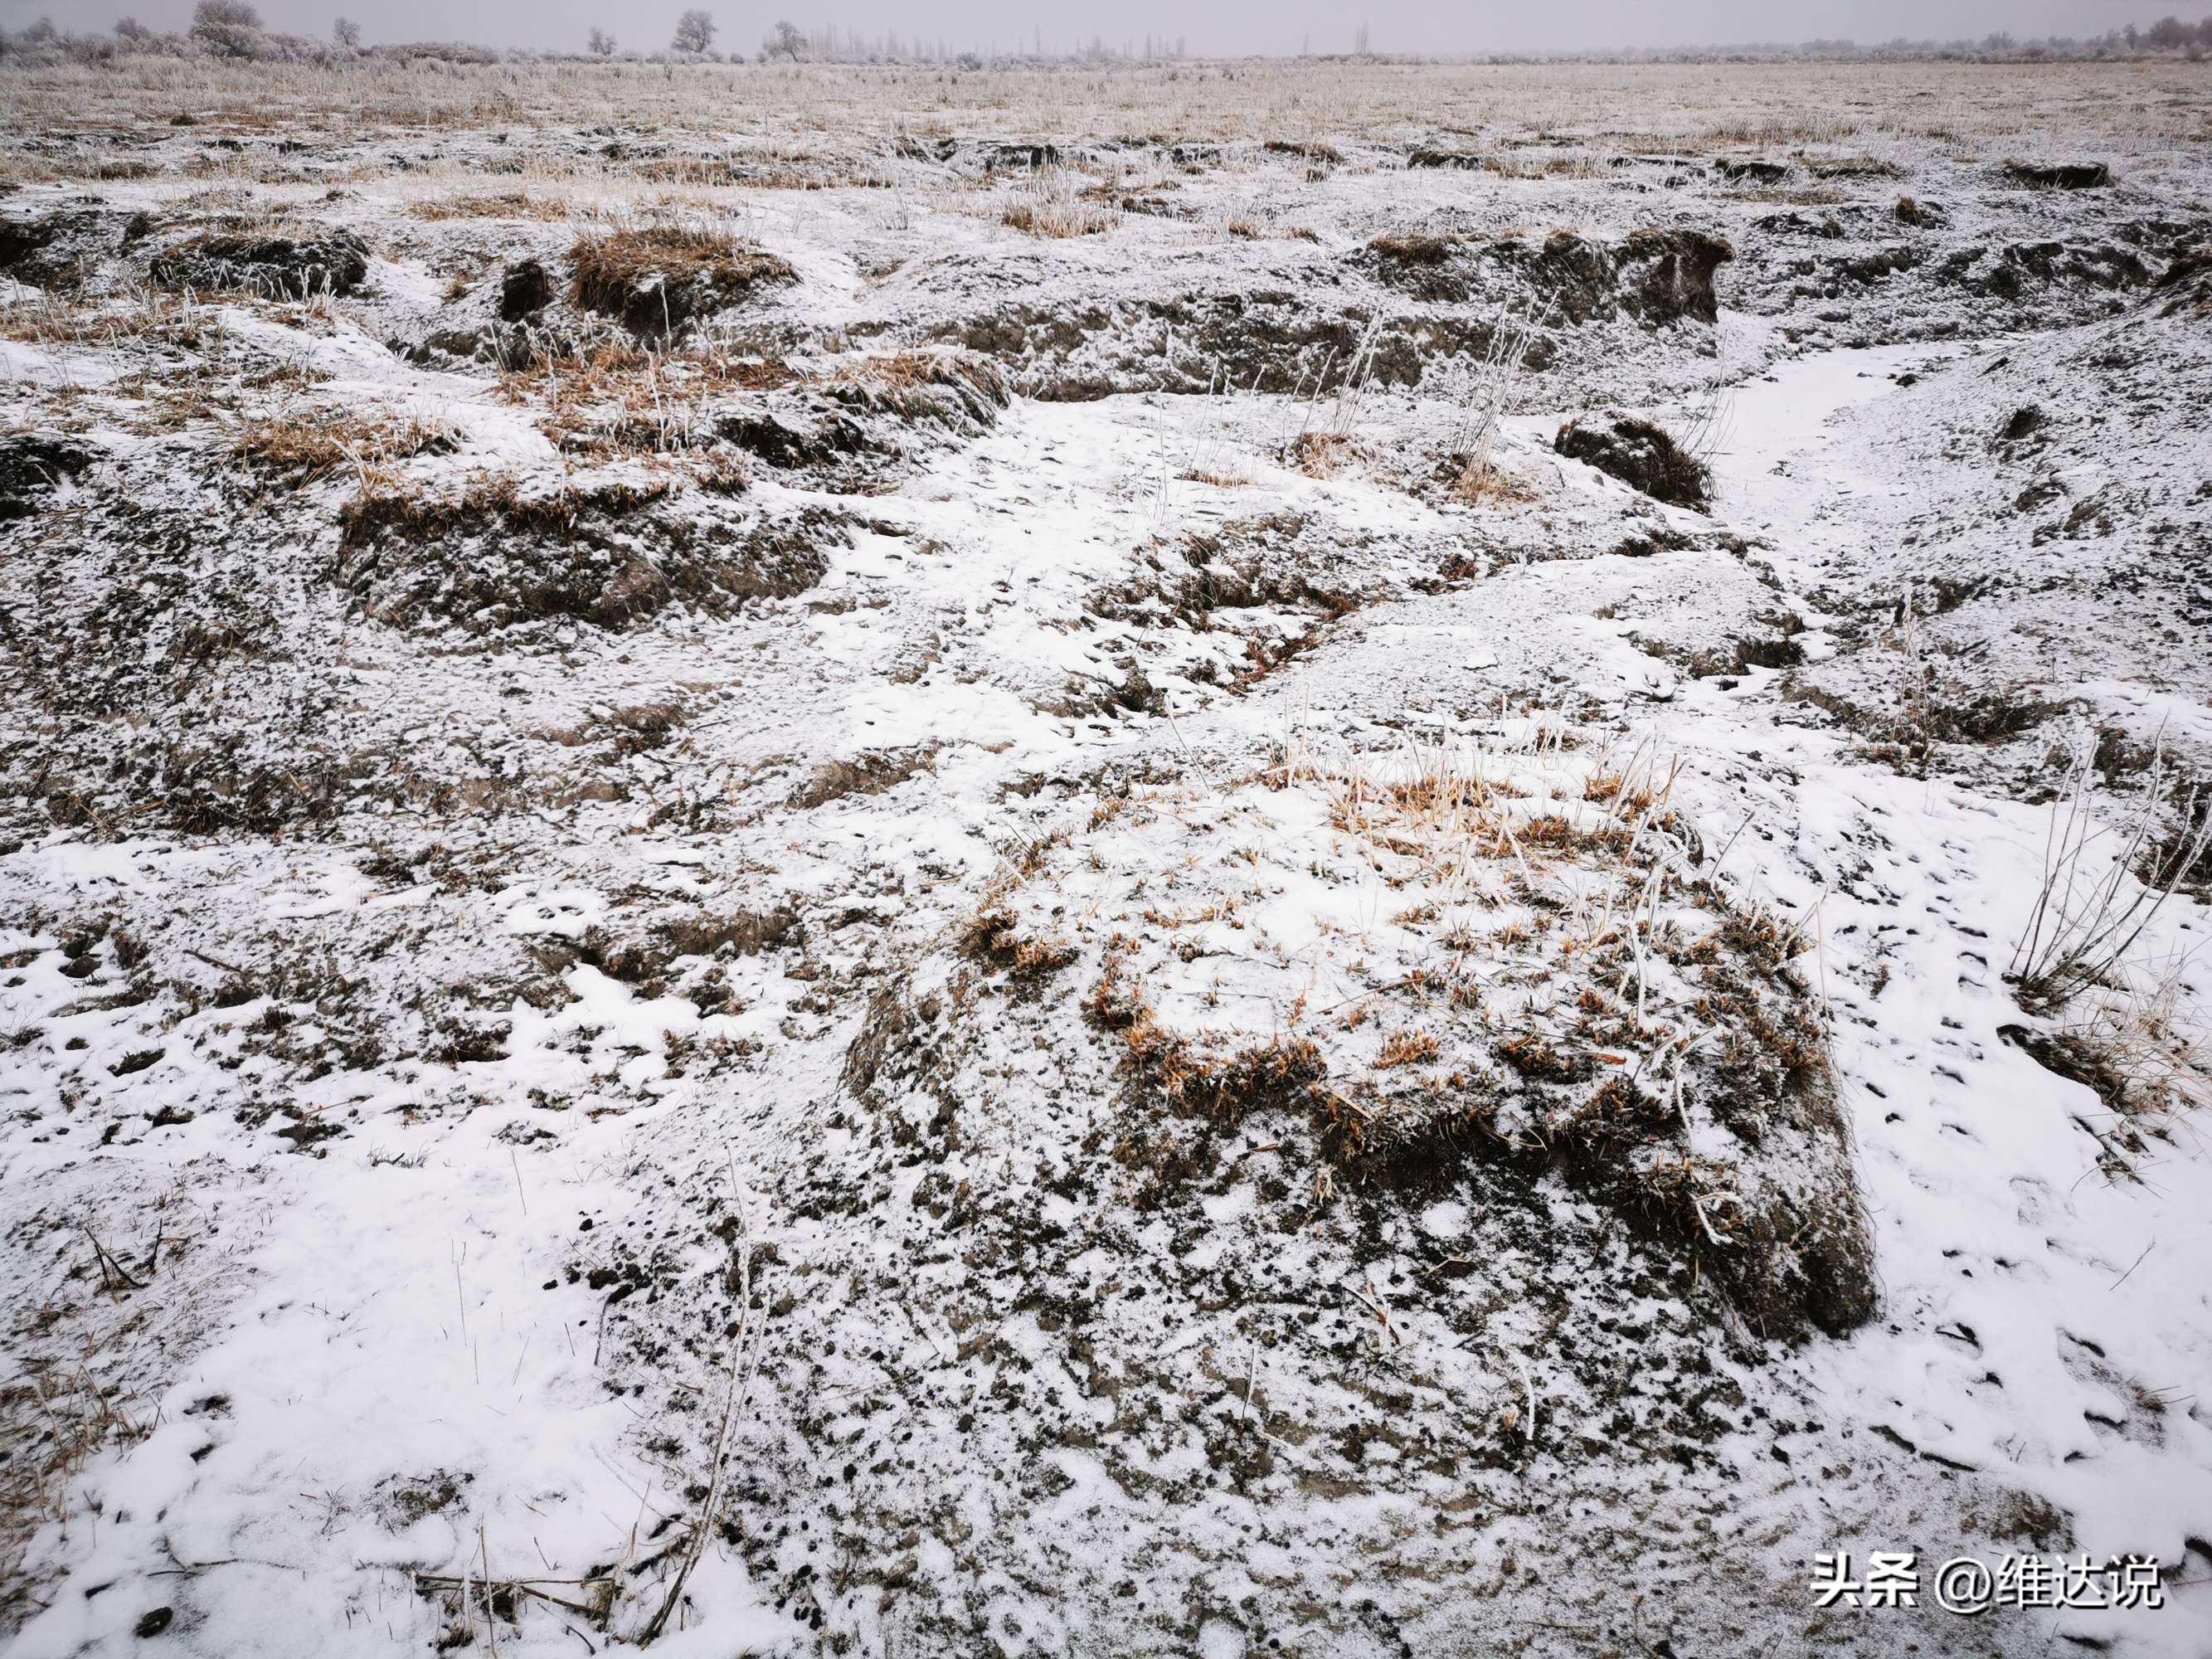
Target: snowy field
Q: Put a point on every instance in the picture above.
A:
(1335, 861)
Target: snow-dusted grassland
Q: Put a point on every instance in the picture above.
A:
(898, 862)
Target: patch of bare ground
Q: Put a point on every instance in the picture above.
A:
(870, 773)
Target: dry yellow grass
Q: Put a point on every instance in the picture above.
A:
(1323, 454)
(657, 277)
(502, 204)
(619, 397)
(1483, 484)
(1054, 201)
(303, 446)
(53, 320)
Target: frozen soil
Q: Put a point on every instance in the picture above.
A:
(981, 942)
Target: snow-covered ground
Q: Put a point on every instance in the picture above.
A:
(876, 984)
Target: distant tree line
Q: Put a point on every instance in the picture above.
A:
(234, 29)
(2168, 35)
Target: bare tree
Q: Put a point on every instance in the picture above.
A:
(601, 43)
(345, 31)
(131, 29)
(230, 28)
(784, 41)
(1360, 40)
(224, 13)
(695, 32)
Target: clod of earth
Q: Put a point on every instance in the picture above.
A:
(33, 464)
(526, 287)
(273, 267)
(2069, 175)
(1641, 455)
(1737, 171)
(658, 280)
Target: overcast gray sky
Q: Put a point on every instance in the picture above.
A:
(1272, 26)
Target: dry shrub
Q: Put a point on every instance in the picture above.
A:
(1480, 483)
(619, 397)
(2099, 895)
(1323, 454)
(1407, 1047)
(2144, 1053)
(995, 939)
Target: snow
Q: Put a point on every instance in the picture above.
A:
(469, 1151)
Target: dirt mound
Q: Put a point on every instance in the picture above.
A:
(956, 390)
(21, 243)
(2186, 286)
(1665, 1068)
(525, 288)
(658, 280)
(870, 407)
(611, 554)
(1017, 157)
(793, 435)
(1740, 171)
(68, 244)
(1654, 275)
(1460, 159)
(2069, 175)
(2014, 270)
(1268, 341)
(274, 267)
(1665, 275)
(1641, 455)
